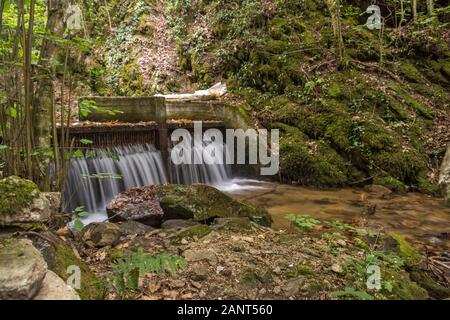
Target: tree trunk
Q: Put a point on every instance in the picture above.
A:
(56, 25)
(28, 85)
(414, 9)
(335, 12)
(430, 7)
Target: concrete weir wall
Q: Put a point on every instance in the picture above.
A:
(160, 109)
(132, 109)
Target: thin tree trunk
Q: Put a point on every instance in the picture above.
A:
(56, 25)
(430, 7)
(414, 9)
(28, 85)
(335, 12)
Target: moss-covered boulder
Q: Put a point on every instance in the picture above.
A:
(63, 260)
(21, 202)
(204, 203)
(198, 231)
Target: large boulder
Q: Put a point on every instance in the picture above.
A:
(21, 202)
(54, 288)
(152, 205)
(137, 204)
(204, 203)
(444, 177)
(22, 269)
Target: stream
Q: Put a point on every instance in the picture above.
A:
(422, 219)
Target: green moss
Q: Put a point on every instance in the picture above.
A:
(405, 251)
(203, 203)
(434, 289)
(233, 223)
(91, 287)
(249, 278)
(416, 105)
(131, 82)
(427, 187)
(315, 285)
(334, 90)
(406, 167)
(198, 231)
(309, 162)
(16, 193)
(303, 268)
(391, 183)
(410, 72)
(402, 286)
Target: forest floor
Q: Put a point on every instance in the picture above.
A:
(258, 263)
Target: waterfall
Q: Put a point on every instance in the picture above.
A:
(212, 174)
(94, 181)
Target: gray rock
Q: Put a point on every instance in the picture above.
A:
(54, 288)
(232, 223)
(21, 202)
(22, 269)
(192, 255)
(55, 201)
(200, 271)
(337, 268)
(178, 224)
(294, 286)
(39, 211)
(101, 234)
(444, 176)
(134, 228)
(378, 191)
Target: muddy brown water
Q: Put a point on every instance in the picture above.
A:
(423, 219)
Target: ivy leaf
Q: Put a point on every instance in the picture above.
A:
(78, 154)
(86, 141)
(78, 225)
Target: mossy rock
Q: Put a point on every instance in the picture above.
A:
(203, 203)
(391, 183)
(16, 194)
(60, 257)
(435, 290)
(407, 167)
(232, 223)
(309, 162)
(198, 231)
(403, 288)
(404, 250)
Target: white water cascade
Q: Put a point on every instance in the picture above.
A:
(94, 181)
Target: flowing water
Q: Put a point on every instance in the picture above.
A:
(93, 182)
(422, 219)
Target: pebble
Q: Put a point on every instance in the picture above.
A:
(337, 268)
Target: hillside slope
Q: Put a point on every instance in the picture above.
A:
(382, 117)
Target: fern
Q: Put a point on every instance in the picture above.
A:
(303, 222)
(350, 292)
(127, 271)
